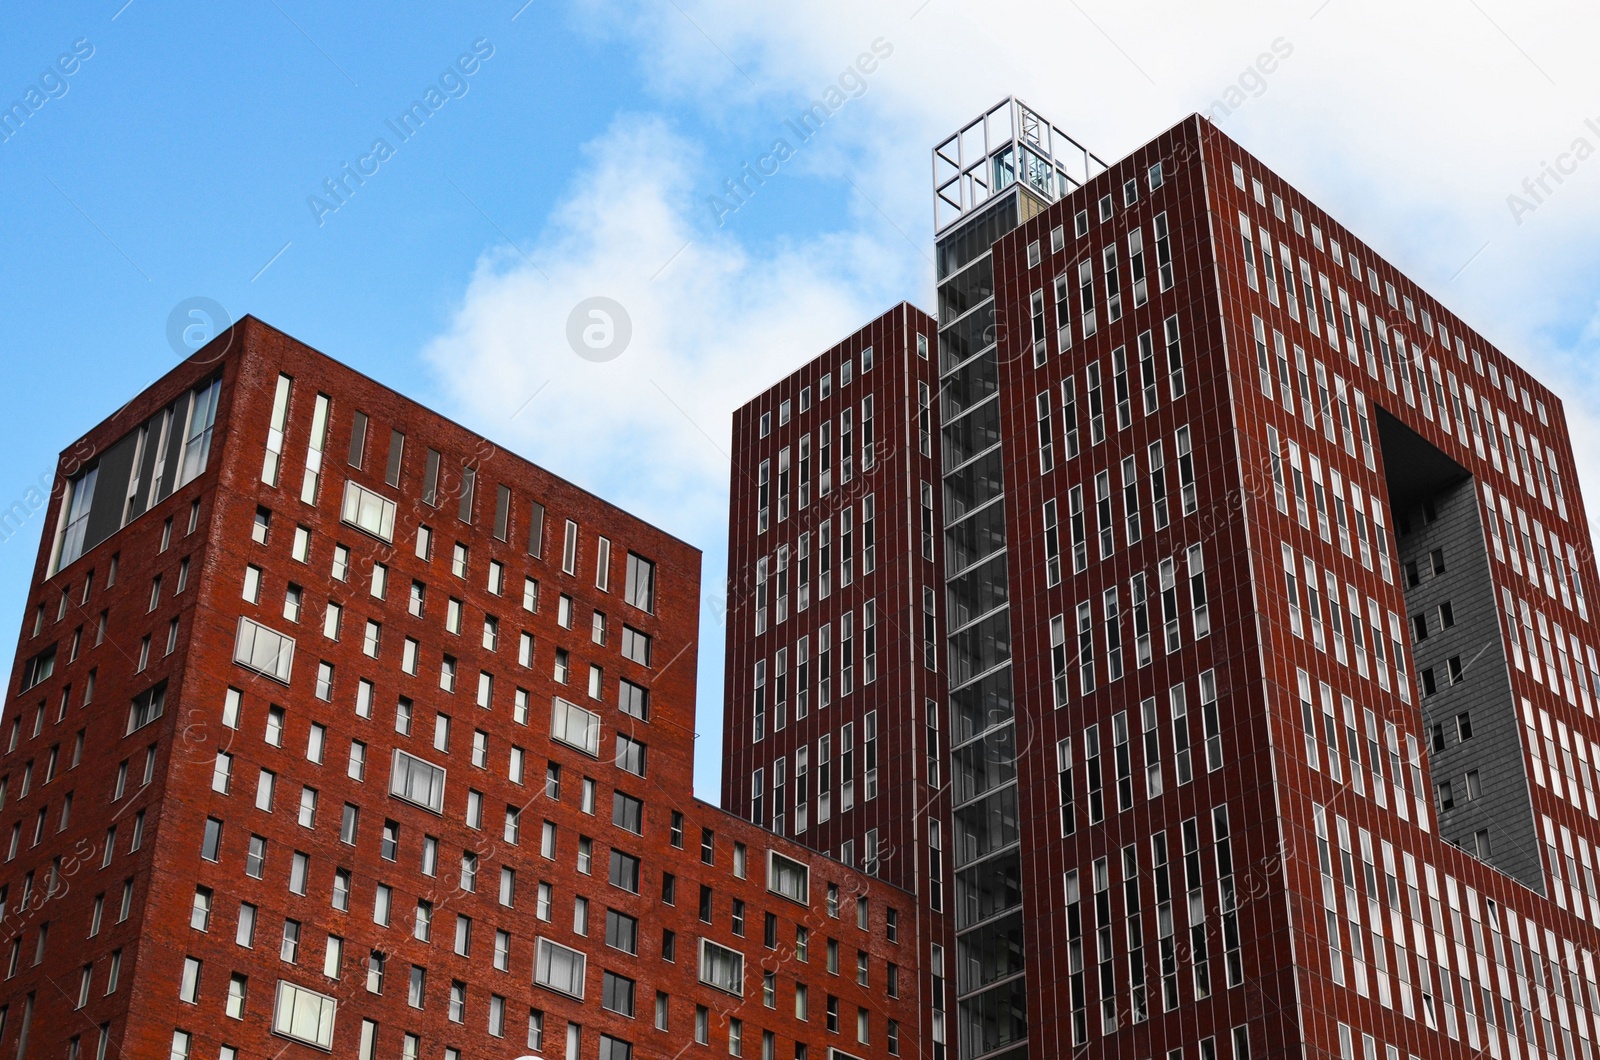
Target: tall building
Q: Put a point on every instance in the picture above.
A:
(337, 729)
(1177, 647)
(1269, 679)
(832, 727)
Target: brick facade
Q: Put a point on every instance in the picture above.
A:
(327, 820)
(835, 631)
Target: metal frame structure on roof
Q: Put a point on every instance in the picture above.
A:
(1009, 144)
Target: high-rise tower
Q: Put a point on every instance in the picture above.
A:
(1270, 675)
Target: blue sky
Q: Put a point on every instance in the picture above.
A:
(584, 155)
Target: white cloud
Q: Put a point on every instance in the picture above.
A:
(711, 325)
(1410, 123)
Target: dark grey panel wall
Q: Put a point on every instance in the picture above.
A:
(1482, 693)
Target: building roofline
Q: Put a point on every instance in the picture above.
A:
(899, 306)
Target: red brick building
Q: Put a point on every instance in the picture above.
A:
(1270, 673)
(1300, 638)
(1258, 719)
(832, 725)
(335, 728)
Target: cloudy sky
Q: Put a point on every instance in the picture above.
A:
(590, 154)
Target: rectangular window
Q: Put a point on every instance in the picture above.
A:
(721, 968)
(416, 781)
(641, 583)
(264, 650)
(578, 728)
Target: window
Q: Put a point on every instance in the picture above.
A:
(788, 878)
(211, 845)
(640, 589)
(633, 700)
(721, 967)
(624, 871)
(189, 988)
(303, 1015)
(200, 911)
(627, 812)
(255, 858)
(631, 755)
(368, 511)
(622, 932)
(417, 782)
(635, 645)
(147, 707)
(578, 728)
(559, 968)
(263, 650)
(617, 994)
(238, 989)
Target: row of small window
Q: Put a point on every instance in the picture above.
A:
(825, 385)
(412, 778)
(419, 783)
(299, 1014)
(818, 672)
(772, 589)
(268, 652)
(1359, 521)
(786, 877)
(1121, 398)
(1568, 881)
(63, 704)
(1534, 636)
(556, 967)
(422, 783)
(1122, 754)
(772, 809)
(1353, 634)
(416, 601)
(52, 764)
(1430, 328)
(42, 665)
(1470, 1001)
(64, 597)
(563, 970)
(1558, 753)
(1105, 208)
(1334, 736)
(1550, 572)
(32, 899)
(621, 929)
(375, 514)
(799, 478)
(1469, 786)
(1369, 1047)
(635, 644)
(64, 820)
(1075, 294)
(1064, 660)
(610, 1048)
(640, 573)
(1131, 1001)
(1132, 520)
(1475, 417)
